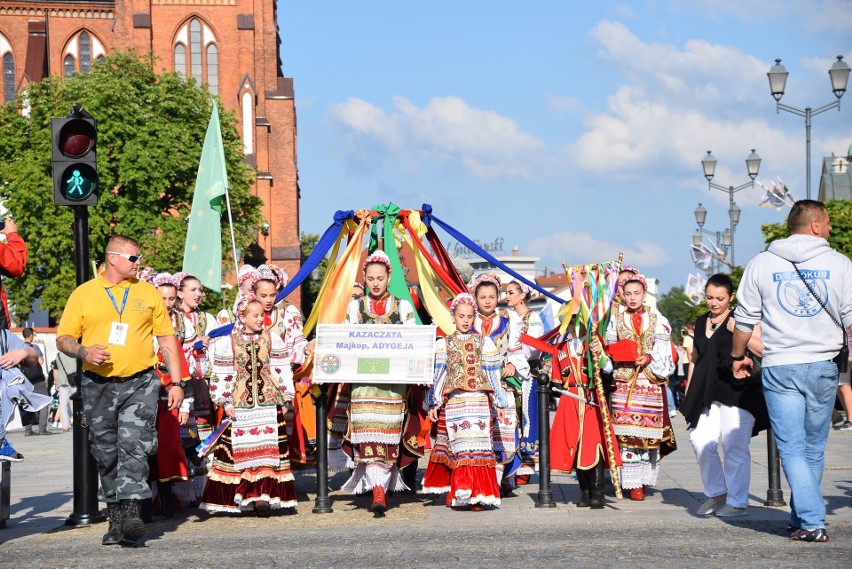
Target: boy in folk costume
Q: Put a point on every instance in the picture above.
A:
(639, 344)
(578, 437)
(505, 332)
(252, 381)
(377, 412)
(464, 402)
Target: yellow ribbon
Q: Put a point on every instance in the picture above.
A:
(434, 303)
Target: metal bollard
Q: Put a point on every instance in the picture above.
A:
(86, 508)
(322, 504)
(5, 492)
(774, 495)
(545, 493)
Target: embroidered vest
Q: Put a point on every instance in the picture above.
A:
(500, 335)
(625, 331)
(253, 384)
(464, 365)
(391, 316)
(278, 326)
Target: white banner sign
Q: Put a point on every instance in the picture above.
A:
(383, 353)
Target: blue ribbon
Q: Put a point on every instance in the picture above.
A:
(486, 255)
(324, 244)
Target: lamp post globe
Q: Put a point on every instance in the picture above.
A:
(839, 74)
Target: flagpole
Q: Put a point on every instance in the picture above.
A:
(231, 226)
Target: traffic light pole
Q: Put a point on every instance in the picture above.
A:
(86, 510)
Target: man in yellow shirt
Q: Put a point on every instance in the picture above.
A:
(110, 323)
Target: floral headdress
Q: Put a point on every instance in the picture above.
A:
(378, 256)
(146, 274)
(523, 286)
(639, 279)
(489, 278)
(629, 269)
(180, 277)
(243, 303)
(463, 298)
(281, 275)
(265, 273)
(246, 272)
(163, 279)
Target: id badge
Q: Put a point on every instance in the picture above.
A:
(118, 334)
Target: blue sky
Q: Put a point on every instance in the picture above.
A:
(571, 130)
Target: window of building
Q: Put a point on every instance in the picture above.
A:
(82, 49)
(196, 51)
(8, 78)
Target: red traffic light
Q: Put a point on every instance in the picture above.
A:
(76, 138)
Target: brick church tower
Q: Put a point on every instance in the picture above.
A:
(232, 46)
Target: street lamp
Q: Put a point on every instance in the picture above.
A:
(723, 239)
(708, 164)
(839, 75)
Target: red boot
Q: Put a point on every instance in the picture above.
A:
(380, 502)
(522, 479)
(637, 494)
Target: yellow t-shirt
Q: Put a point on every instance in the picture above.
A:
(90, 313)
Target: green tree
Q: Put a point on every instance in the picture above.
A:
(840, 214)
(150, 131)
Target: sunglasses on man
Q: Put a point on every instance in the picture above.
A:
(129, 257)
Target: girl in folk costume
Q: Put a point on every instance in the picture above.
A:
(252, 381)
(192, 325)
(169, 464)
(578, 436)
(246, 277)
(505, 332)
(285, 321)
(466, 398)
(638, 342)
(377, 412)
(529, 322)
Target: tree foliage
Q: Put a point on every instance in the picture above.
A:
(840, 214)
(151, 129)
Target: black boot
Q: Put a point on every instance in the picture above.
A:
(145, 507)
(597, 479)
(585, 481)
(132, 526)
(164, 492)
(113, 534)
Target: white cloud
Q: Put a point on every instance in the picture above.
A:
(447, 129)
(581, 248)
(812, 15)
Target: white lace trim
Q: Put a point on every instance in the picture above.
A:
(464, 498)
(370, 474)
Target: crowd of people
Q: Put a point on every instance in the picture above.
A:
(155, 385)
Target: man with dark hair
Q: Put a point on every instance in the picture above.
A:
(800, 291)
(110, 323)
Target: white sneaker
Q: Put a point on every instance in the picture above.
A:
(711, 505)
(728, 511)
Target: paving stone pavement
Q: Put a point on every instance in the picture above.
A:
(662, 531)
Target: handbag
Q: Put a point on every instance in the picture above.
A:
(842, 358)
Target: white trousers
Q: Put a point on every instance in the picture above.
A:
(732, 426)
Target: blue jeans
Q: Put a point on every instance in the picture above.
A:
(800, 399)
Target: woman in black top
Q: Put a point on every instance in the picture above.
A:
(718, 407)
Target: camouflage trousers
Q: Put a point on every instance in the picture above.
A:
(121, 416)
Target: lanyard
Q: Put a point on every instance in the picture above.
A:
(123, 301)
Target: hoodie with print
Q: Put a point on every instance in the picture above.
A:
(795, 328)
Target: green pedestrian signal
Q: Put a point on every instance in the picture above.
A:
(75, 161)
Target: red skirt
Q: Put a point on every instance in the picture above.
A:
(577, 437)
(170, 460)
(231, 490)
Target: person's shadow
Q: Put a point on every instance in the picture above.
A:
(35, 514)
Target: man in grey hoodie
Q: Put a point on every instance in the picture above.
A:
(801, 333)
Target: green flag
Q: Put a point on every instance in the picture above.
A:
(202, 256)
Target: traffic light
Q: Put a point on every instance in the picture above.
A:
(75, 160)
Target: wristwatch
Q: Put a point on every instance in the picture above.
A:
(182, 384)
(738, 358)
